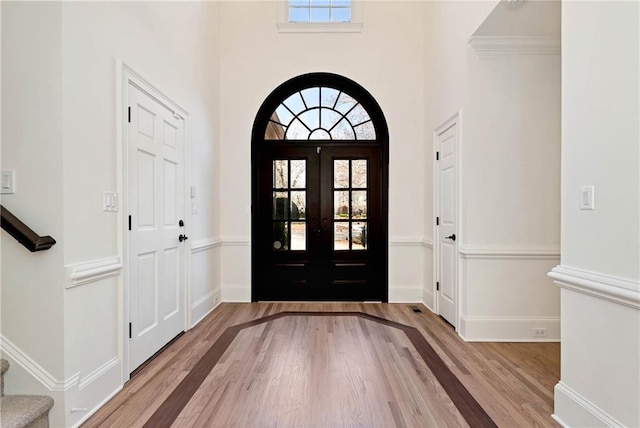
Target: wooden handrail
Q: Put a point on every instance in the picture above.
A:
(23, 234)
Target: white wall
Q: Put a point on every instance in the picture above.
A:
(386, 58)
(60, 101)
(600, 375)
(509, 146)
(32, 301)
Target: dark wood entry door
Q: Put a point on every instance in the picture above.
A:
(319, 218)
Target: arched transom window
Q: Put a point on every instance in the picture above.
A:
(320, 113)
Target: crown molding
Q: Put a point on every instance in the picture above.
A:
(494, 47)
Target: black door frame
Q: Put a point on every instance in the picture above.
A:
(258, 144)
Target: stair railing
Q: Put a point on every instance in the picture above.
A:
(23, 234)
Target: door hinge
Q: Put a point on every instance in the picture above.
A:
(130, 328)
(129, 222)
(437, 153)
(318, 149)
(129, 115)
(437, 221)
(437, 289)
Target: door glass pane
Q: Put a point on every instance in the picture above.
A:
(359, 236)
(359, 204)
(359, 173)
(341, 204)
(280, 236)
(298, 235)
(341, 236)
(280, 206)
(298, 205)
(280, 174)
(340, 174)
(298, 174)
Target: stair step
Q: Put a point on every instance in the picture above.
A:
(4, 366)
(18, 411)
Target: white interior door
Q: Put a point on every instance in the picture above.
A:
(447, 251)
(156, 146)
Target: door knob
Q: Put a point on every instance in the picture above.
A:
(182, 238)
(452, 237)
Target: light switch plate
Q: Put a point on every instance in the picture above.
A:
(194, 207)
(8, 182)
(110, 201)
(587, 198)
(193, 192)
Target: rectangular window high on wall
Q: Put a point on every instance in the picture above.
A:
(319, 11)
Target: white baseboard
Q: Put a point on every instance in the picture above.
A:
(97, 407)
(93, 391)
(405, 294)
(205, 305)
(508, 329)
(428, 299)
(574, 410)
(236, 293)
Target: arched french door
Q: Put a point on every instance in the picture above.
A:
(319, 193)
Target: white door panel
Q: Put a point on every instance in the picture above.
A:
(156, 200)
(447, 194)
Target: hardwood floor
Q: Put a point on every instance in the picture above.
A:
(334, 372)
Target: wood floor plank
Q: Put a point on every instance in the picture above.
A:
(513, 382)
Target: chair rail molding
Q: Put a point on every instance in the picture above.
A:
(36, 370)
(491, 47)
(205, 244)
(92, 271)
(406, 241)
(622, 291)
(510, 252)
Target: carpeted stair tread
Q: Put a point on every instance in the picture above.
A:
(17, 411)
(4, 366)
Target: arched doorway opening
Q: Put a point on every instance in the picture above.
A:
(320, 149)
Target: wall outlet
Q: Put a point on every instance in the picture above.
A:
(216, 299)
(539, 332)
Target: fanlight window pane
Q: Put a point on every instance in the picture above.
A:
(295, 104)
(345, 103)
(282, 115)
(297, 131)
(328, 118)
(311, 97)
(358, 115)
(320, 113)
(366, 131)
(343, 131)
(329, 97)
(311, 118)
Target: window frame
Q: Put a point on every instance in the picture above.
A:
(284, 26)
